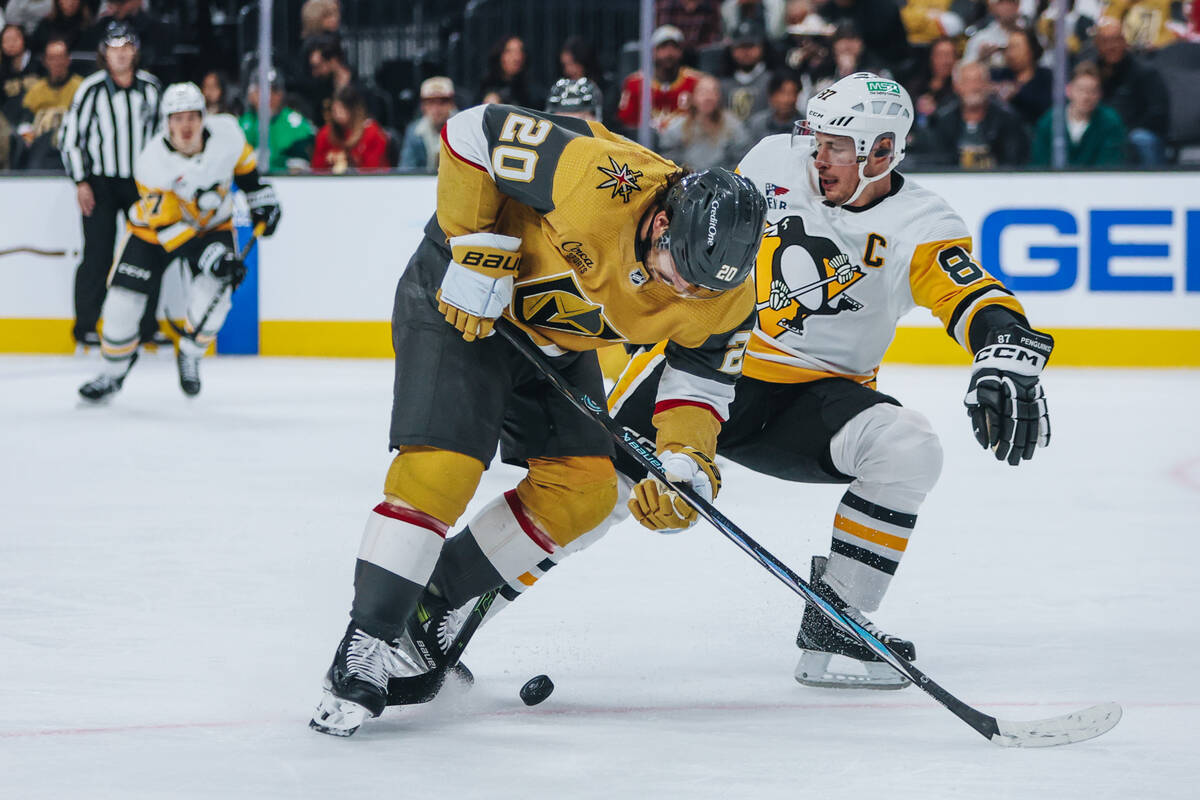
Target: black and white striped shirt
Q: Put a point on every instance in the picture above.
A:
(107, 126)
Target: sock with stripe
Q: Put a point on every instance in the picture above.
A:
(400, 547)
(500, 547)
(869, 540)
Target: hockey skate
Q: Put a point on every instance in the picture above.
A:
(821, 640)
(356, 685)
(432, 629)
(101, 388)
(189, 372)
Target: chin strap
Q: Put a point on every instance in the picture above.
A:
(863, 181)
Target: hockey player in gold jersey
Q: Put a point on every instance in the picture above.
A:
(185, 180)
(581, 239)
(851, 246)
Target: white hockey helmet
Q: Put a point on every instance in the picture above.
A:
(864, 107)
(180, 97)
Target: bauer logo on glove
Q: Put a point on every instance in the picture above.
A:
(478, 284)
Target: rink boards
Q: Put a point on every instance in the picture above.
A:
(1108, 262)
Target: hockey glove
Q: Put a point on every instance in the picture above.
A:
(230, 269)
(660, 508)
(264, 208)
(478, 284)
(1004, 400)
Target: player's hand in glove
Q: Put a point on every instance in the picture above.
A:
(842, 268)
(1004, 400)
(659, 507)
(779, 296)
(478, 284)
(230, 269)
(264, 208)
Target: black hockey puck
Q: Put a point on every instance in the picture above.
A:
(536, 689)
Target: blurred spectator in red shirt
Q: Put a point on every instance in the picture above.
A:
(350, 140)
(671, 88)
(698, 20)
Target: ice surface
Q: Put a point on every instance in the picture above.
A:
(175, 574)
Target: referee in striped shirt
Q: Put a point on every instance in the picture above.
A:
(113, 115)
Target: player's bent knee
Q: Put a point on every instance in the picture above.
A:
(122, 313)
(569, 496)
(437, 482)
(889, 444)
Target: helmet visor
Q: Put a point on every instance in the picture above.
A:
(836, 150)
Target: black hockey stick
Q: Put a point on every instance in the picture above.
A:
(257, 232)
(1079, 726)
(423, 688)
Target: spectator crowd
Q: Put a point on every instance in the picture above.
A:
(725, 73)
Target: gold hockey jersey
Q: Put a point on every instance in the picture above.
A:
(832, 282)
(575, 194)
(182, 196)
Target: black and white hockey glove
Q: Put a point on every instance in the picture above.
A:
(1004, 400)
(230, 269)
(264, 208)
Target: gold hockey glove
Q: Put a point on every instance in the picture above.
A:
(478, 284)
(659, 507)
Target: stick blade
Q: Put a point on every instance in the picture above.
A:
(1067, 729)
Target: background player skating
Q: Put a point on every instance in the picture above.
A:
(581, 238)
(185, 180)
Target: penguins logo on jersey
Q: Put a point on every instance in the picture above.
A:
(556, 302)
(798, 276)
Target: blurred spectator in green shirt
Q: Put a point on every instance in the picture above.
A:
(290, 135)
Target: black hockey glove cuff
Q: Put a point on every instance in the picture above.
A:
(1004, 399)
(264, 208)
(231, 269)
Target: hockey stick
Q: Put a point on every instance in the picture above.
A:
(245, 251)
(794, 293)
(423, 688)
(1076, 727)
(37, 251)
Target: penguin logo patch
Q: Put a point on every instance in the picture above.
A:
(798, 276)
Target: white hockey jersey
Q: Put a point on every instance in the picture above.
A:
(847, 275)
(182, 196)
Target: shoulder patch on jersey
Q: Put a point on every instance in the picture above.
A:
(295, 119)
(621, 179)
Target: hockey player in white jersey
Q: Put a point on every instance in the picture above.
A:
(851, 246)
(185, 180)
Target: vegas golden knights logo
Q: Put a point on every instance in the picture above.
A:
(556, 302)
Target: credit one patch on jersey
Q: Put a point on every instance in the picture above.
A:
(556, 302)
(621, 179)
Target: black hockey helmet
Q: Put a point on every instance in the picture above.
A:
(716, 225)
(119, 34)
(568, 96)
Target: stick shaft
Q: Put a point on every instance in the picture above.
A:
(628, 441)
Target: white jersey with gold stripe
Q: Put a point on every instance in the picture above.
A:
(832, 282)
(182, 196)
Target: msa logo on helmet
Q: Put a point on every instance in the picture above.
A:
(557, 303)
(883, 87)
(712, 222)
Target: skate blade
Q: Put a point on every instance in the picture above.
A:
(337, 717)
(813, 670)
